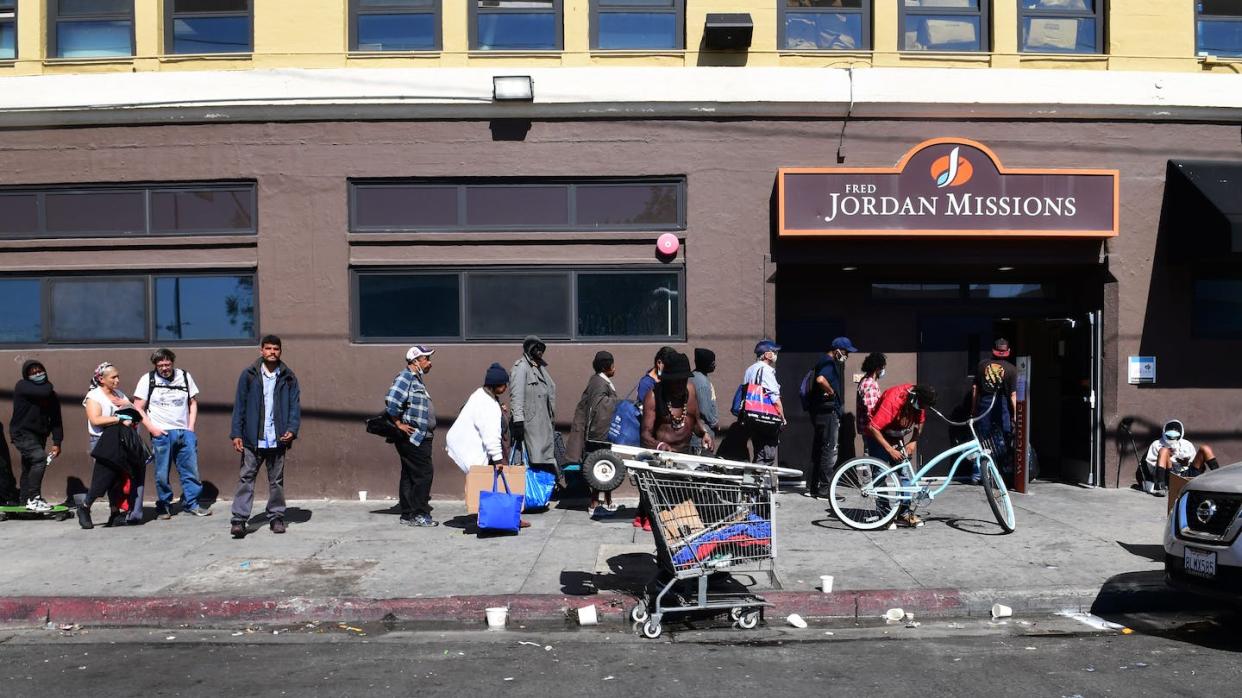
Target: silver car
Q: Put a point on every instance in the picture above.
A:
(1202, 549)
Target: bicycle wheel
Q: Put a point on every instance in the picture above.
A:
(853, 500)
(998, 496)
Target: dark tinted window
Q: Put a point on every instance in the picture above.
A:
(411, 207)
(1010, 290)
(418, 306)
(202, 210)
(825, 25)
(204, 308)
(98, 310)
(209, 26)
(629, 305)
(916, 291)
(515, 25)
(628, 205)
(21, 320)
(517, 304)
(19, 213)
(396, 25)
(96, 212)
(517, 207)
(1216, 308)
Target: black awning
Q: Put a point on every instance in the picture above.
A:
(1205, 200)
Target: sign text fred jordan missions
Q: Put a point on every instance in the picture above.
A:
(948, 187)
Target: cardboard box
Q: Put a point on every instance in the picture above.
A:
(680, 522)
(480, 478)
(1176, 483)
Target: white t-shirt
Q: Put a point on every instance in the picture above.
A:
(768, 378)
(1181, 452)
(168, 407)
(107, 409)
(474, 438)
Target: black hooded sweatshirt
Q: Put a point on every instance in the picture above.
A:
(36, 407)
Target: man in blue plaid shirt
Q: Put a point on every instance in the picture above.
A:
(409, 406)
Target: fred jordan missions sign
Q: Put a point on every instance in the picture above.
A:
(948, 187)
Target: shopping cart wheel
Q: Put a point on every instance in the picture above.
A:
(735, 613)
(639, 614)
(603, 471)
(651, 629)
(749, 620)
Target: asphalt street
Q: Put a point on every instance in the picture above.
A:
(1050, 656)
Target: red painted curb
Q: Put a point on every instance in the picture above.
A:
(452, 609)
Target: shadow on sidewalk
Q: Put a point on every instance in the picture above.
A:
(628, 573)
(293, 516)
(1142, 602)
(1151, 551)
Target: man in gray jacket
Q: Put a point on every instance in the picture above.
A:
(532, 407)
(705, 363)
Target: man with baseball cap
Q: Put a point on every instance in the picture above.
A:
(825, 402)
(994, 398)
(764, 440)
(409, 406)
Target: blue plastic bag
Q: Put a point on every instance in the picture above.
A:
(624, 428)
(539, 486)
(500, 511)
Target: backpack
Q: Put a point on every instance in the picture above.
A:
(184, 387)
(808, 385)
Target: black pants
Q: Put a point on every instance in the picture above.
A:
(417, 472)
(33, 450)
(823, 449)
(8, 486)
(106, 481)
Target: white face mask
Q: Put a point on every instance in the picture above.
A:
(882, 372)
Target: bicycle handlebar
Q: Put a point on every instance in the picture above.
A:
(968, 422)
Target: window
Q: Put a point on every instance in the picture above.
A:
(208, 26)
(486, 304)
(395, 25)
(638, 24)
(1216, 308)
(1218, 27)
(91, 28)
(1060, 26)
(132, 309)
(1021, 291)
(944, 25)
(825, 25)
(428, 205)
(101, 211)
(515, 25)
(915, 291)
(8, 30)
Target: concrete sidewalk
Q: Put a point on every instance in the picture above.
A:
(1074, 548)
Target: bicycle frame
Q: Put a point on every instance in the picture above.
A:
(964, 451)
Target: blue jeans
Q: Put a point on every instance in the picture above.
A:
(179, 446)
(994, 425)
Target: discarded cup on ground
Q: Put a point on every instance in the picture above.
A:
(909, 616)
(795, 620)
(894, 614)
(1000, 610)
(587, 615)
(496, 617)
(825, 583)
(362, 495)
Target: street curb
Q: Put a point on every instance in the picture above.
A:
(611, 608)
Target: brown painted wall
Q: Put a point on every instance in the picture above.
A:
(303, 255)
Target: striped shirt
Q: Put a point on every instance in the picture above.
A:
(408, 397)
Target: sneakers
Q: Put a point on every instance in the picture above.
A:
(38, 505)
(405, 522)
(424, 521)
(199, 511)
(84, 517)
(909, 519)
(638, 521)
(277, 525)
(238, 529)
(647, 525)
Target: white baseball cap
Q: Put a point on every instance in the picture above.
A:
(416, 351)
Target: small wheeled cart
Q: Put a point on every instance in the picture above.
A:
(60, 512)
(708, 516)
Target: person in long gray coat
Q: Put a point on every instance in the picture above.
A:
(532, 406)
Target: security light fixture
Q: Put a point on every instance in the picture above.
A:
(1004, 269)
(513, 88)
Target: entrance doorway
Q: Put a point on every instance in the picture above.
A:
(1063, 387)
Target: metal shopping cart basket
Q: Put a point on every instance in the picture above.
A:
(707, 518)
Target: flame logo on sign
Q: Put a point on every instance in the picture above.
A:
(951, 170)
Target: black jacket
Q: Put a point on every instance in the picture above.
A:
(36, 408)
(120, 448)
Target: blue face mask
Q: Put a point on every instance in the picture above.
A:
(1172, 435)
(38, 377)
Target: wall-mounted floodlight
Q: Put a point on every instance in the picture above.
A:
(513, 88)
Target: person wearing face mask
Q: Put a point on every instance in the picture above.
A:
(763, 441)
(532, 407)
(408, 404)
(1172, 452)
(868, 397)
(36, 416)
(826, 402)
(705, 393)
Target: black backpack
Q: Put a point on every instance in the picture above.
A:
(184, 387)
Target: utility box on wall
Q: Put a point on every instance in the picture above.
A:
(728, 31)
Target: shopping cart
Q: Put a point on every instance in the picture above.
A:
(708, 516)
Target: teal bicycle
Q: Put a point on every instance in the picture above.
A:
(867, 493)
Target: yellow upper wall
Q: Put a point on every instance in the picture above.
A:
(1140, 35)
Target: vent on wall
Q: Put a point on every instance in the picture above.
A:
(728, 31)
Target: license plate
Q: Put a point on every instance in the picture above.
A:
(1200, 563)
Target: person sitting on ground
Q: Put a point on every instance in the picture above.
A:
(898, 419)
(670, 418)
(592, 417)
(475, 437)
(1172, 452)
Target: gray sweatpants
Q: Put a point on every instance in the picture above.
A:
(243, 501)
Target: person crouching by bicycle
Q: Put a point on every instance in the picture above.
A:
(898, 421)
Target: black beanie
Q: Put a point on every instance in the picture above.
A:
(704, 360)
